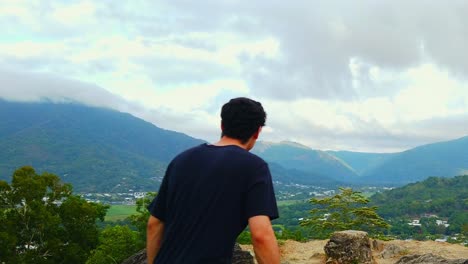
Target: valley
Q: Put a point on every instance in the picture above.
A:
(114, 158)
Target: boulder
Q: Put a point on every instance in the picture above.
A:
(239, 256)
(138, 258)
(429, 259)
(349, 247)
(377, 245)
(391, 251)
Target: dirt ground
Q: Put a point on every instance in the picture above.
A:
(293, 252)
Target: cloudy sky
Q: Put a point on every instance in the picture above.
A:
(377, 76)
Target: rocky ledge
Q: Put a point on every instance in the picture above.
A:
(239, 256)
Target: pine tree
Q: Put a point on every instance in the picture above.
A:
(346, 210)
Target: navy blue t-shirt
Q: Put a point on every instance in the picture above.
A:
(205, 200)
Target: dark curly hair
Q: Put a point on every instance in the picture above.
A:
(241, 117)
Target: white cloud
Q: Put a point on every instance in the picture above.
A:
(31, 49)
(74, 14)
(366, 75)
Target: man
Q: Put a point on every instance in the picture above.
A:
(211, 192)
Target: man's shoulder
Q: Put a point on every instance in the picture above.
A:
(189, 151)
(232, 152)
(244, 158)
(254, 157)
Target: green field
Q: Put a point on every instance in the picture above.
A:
(120, 212)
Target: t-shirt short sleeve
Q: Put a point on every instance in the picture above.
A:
(158, 206)
(260, 197)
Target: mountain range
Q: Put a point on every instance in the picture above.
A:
(442, 159)
(92, 148)
(98, 149)
(295, 156)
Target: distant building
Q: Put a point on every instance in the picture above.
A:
(139, 195)
(415, 222)
(442, 222)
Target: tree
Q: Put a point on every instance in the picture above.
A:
(401, 228)
(140, 219)
(343, 211)
(43, 222)
(116, 243)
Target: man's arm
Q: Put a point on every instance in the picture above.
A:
(264, 240)
(154, 234)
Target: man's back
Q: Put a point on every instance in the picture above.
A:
(206, 198)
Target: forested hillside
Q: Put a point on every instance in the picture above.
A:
(101, 150)
(440, 196)
(92, 148)
(295, 156)
(279, 173)
(434, 208)
(362, 162)
(442, 159)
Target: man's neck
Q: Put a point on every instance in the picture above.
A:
(226, 141)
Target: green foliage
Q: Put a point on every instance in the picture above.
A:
(291, 212)
(459, 223)
(123, 238)
(441, 196)
(343, 211)
(297, 234)
(42, 222)
(445, 197)
(401, 229)
(281, 233)
(116, 243)
(244, 238)
(140, 219)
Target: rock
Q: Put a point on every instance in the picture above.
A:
(391, 251)
(349, 247)
(138, 258)
(317, 255)
(377, 245)
(429, 259)
(239, 256)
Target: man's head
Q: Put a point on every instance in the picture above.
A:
(241, 118)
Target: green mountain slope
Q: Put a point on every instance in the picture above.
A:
(294, 156)
(293, 176)
(441, 196)
(362, 162)
(92, 148)
(443, 159)
(101, 150)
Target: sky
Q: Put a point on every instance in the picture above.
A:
(370, 76)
